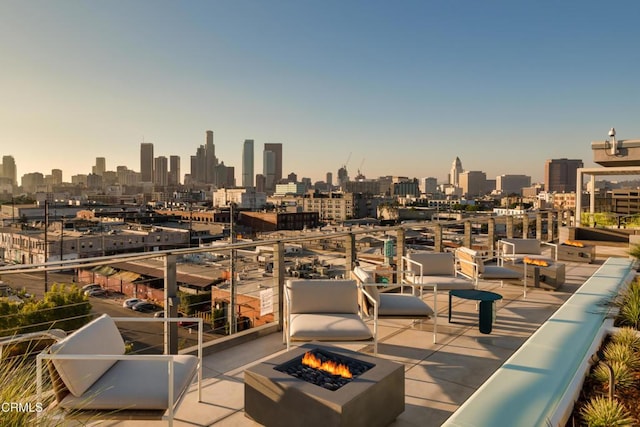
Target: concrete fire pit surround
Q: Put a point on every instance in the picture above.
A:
(274, 398)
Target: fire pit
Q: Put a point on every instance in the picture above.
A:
(285, 391)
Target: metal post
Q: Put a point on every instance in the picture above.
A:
(278, 279)
(233, 319)
(170, 305)
(46, 244)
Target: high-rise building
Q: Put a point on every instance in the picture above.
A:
(174, 170)
(560, 175)
(56, 176)
(512, 184)
(211, 160)
(329, 179)
(269, 170)
(276, 149)
(161, 171)
(8, 169)
(146, 161)
(456, 170)
(100, 167)
(247, 163)
(473, 183)
(428, 185)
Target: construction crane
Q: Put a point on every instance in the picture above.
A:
(347, 162)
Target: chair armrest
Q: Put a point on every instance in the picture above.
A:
(370, 297)
(474, 267)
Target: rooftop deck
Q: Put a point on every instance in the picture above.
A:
(438, 377)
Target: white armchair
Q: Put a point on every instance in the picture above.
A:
(515, 250)
(435, 270)
(388, 305)
(470, 264)
(94, 379)
(325, 310)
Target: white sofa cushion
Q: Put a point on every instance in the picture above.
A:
(323, 296)
(402, 305)
(444, 282)
(328, 327)
(433, 263)
(100, 336)
(136, 384)
(523, 246)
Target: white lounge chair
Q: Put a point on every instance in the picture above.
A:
(435, 270)
(388, 305)
(326, 311)
(94, 379)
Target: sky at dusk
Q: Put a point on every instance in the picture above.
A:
(398, 88)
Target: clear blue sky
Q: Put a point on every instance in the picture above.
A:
(404, 86)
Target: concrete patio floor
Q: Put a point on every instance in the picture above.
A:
(438, 377)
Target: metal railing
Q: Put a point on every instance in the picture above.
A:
(256, 271)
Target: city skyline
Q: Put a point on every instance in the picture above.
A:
(399, 89)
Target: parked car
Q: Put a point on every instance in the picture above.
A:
(91, 286)
(130, 302)
(96, 292)
(145, 307)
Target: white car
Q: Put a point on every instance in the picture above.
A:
(90, 286)
(128, 303)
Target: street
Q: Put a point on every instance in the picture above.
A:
(145, 337)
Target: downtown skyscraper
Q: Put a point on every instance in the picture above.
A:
(247, 163)
(146, 162)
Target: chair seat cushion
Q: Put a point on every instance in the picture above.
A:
(328, 327)
(445, 283)
(402, 305)
(499, 273)
(139, 385)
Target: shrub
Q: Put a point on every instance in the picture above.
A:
(623, 377)
(627, 336)
(623, 353)
(602, 412)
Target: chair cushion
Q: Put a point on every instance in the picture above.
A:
(323, 296)
(524, 246)
(433, 263)
(132, 384)
(445, 283)
(328, 327)
(403, 305)
(100, 336)
(499, 273)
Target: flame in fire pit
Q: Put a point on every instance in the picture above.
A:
(333, 368)
(574, 243)
(538, 262)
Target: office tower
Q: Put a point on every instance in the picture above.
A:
(160, 171)
(329, 179)
(560, 175)
(210, 159)
(247, 163)
(473, 183)
(456, 170)
(9, 170)
(174, 170)
(292, 177)
(269, 170)
(146, 162)
(100, 167)
(56, 176)
(428, 185)
(199, 165)
(277, 150)
(512, 184)
(260, 183)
